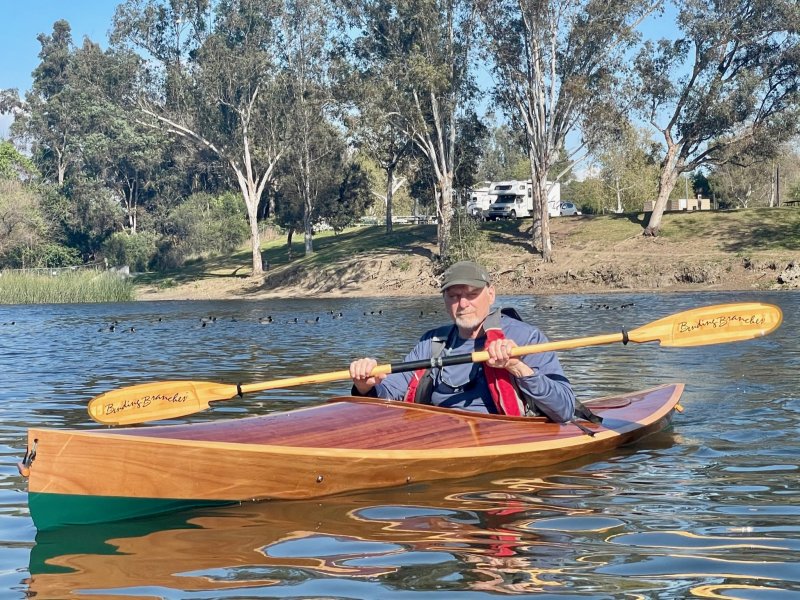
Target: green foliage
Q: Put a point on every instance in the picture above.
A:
(14, 165)
(794, 192)
(471, 138)
(84, 212)
(45, 255)
(504, 156)
(591, 195)
(348, 203)
(134, 250)
(202, 225)
(742, 96)
(63, 287)
(467, 239)
(22, 225)
(630, 171)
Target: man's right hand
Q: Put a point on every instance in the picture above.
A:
(361, 374)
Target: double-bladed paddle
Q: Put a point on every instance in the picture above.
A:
(160, 400)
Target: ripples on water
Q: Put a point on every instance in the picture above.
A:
(708, 509)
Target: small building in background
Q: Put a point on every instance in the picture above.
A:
(678, 204)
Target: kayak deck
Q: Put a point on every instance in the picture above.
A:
(348, 444)
(373, 424)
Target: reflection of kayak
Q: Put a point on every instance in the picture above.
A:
(86, 476)
(277, 547)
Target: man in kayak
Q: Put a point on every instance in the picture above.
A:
(528, 385)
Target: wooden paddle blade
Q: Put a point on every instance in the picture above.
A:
(716, 324)
(156, 401)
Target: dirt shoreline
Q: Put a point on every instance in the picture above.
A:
(574, 272)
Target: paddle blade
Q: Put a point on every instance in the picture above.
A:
(717, 324)
(156, 401)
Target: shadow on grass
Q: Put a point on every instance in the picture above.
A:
(328, 248)
(751, 230)
(513, 234)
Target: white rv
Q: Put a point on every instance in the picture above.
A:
(479, 200)
(514, 200)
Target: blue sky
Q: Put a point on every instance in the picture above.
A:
(23, 20)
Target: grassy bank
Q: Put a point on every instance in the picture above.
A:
(590, 253)
(738, 231)
(65, 287)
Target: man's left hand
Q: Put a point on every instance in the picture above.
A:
(500, 358)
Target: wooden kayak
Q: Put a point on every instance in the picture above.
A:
(346, 444)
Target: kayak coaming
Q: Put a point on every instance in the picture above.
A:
(171, 473)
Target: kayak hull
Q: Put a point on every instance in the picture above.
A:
(347, 444)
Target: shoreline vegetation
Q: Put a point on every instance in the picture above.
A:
(64, 287)
(747, 249)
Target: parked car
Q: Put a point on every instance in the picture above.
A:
(568, 209)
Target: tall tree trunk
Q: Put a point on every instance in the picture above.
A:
(670, 170)
(251, 192)
(389, 193)
(308, 230)
(61, 167)
(544, 202)
(536, 227)
(444, 212)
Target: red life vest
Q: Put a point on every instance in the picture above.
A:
(504, 394)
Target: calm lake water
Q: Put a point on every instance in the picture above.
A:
(707, 509)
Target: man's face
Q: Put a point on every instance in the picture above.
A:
(467, 305)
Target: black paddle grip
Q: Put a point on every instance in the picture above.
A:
(431, 363)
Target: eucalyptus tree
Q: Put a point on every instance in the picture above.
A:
(504, 156)
(216, 79)
(339, 184)
(124, 155)
(380, 134)
(557, 65)
(22, 224)
(629, 163)
(52, 116)
(424, 47)
(726, 86)
(305, 27)
(750, 181)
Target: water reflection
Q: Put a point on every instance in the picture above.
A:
(480, 540)
(708, 509)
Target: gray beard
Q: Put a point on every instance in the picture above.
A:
(470, 322)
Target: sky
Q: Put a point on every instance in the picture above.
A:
(24, 20)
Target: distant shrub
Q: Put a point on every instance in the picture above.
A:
(201, 226)
(467, 240)
(134, 250)
(43, 255)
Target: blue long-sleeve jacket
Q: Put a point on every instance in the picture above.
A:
(464, 386)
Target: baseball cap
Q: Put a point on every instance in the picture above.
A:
(465, 272)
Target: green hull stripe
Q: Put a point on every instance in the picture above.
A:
(55, 510)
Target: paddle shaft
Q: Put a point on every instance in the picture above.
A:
(716, 324)
(455, 359)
